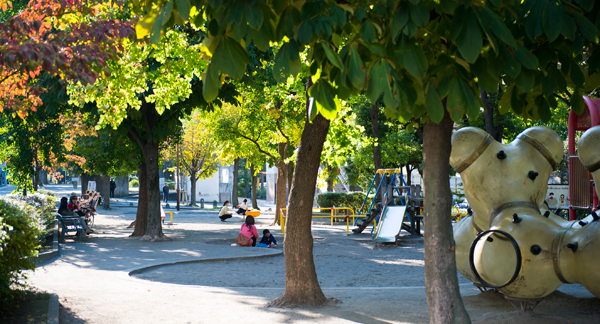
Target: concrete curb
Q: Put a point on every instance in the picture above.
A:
(48, 255)
(159, 265)
(53, 309)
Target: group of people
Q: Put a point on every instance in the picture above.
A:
(72, 208)
(248, 229)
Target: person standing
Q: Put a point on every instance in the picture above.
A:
(113, 186)
(166, 192)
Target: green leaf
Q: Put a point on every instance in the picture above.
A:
(470, 40)
(263, 37)
(455, 102)
(533, 23)
(322, 91)
(586, 4)
(525, 80)
(254, 16)
(433, 103)
(526, 58)
(183, 8)
(497, 26)
(504, 105)
(577, 102)
(376, 80)
(412, 57)
(516, 102)
(144, 25)
(367, 31)
(509, 63)
(419, 14)
(210, 83)
(410, 29)
(548, 86)
(333, 56)
(587, 28)
(567, 23)
(305, 32)
(576, 75)
(356, 69)
(543, 109)
(399, 21)
(550, 17)
(230, 58)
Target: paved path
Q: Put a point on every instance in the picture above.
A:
(93, 283)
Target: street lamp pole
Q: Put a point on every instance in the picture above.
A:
(178, 197)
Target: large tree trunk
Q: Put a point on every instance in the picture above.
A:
(301, 283)
(193, 179)
(154, 231)
(105, 191)
(443, 296)
(141, 218)
(254, 185)
(408, 175)
(234, 189)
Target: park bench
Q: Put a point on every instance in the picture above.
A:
(71, 226)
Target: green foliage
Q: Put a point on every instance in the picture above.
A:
(18, 242)
(353, 200)
(134, 183)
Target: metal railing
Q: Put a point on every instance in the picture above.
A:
(334, 214)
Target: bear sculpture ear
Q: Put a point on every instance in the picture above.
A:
(589, 149)
(468, 143)
(546, 141)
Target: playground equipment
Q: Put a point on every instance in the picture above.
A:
(391, 206)
(581, 193)
(507, 243)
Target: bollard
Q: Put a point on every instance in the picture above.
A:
(202, 203)
(215, 204)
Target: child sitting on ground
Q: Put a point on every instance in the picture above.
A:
(268, 240)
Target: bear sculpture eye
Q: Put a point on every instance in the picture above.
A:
(501, 155)
(532, 175)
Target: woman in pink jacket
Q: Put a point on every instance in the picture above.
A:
(249, 230)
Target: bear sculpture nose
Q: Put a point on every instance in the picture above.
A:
(501, 155)
(532, 175)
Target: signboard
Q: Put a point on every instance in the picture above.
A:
(92, 185)
(557, 196)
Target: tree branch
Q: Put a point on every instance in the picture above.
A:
(258, 146)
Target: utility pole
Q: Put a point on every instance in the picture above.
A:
(178, 197)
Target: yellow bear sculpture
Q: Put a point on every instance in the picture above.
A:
(508, 243)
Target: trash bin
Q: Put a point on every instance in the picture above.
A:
(202, 203)
(215, 204)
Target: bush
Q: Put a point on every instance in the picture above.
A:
(261, 193)
(35, 200)
(19, 231)
(342, 199)
(134, 183)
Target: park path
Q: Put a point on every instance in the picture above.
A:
(93, 285)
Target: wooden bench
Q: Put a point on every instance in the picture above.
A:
(71, 226)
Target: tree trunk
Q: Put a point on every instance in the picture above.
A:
(254, 185)
(301, 283)
(494, 131)
(290, 177)
(280, 194)
(193, 179)
(247, 177)
(331, 174)
(234, 189)
(141, 218)
(105, 191)
(154, 231)
(408, 175)
(83, 178)
(441, 281)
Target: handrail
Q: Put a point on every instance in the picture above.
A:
(333, 209)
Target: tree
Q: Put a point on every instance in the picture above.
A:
(200, 153)
(70, 39)
(429, 59)
(30, 143)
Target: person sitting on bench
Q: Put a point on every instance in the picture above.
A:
(64, 210)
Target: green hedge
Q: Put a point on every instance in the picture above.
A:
(134, 183)
(342, 199)
(19, 232)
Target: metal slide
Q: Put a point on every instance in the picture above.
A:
(389, 224)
